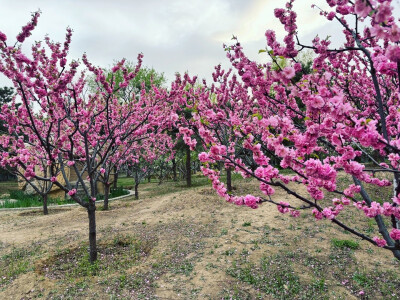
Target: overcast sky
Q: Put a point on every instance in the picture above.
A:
(173, 35)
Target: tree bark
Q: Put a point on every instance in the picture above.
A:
(137, 186)
(92, 232)
(106, 196)
(45, 210)
(229, 179)
(188, 168)
(137, 191)
(174, 169)
(115, 182)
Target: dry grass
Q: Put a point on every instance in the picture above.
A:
(179, 243)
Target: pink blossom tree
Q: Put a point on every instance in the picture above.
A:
(318, 125)
(68, 126)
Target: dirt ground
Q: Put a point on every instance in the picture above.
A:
(192, 245)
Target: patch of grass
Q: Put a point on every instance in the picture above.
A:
(24, 200)
(274, 276)
(230, 252)
(116, 254)
(299, 275)
(18, 261)
(154, 189)
(236, 293)
(6, 186)
(119, 191)
(246, 224)
(342, 244)
(185, 268)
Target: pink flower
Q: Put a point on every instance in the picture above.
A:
(316, 102)
(246, 77)
(383, 14)
(388, 209)
(250, 201)
(266, 189)
(395, 234)
(393, 53)
(361, 8)
(294, 213)
(331, 15)
(317, 214)
(203, 157)
(102, 170)
(53, 179)
(374, 210)
(288, 72)
(328, 213)
(70, 163)
(379, 242)
(283, 207)
(72, 192)
(3, 37)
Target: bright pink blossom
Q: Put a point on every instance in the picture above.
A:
(395, 234)
(379, 242)
(72, 192)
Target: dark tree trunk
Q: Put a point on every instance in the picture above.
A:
(174, 169)
(137, 185)
(229, 179)
(115, 182)
(106, 196)
(160, 177)
(188, 168)
(45, 210)
(149, 179)
(92, 232)
(137, 191)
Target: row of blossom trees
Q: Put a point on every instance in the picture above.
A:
(319, 123)
(62, 124)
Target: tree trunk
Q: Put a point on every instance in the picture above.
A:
(92, 232)
(115, 182)
(188, 168)
(137, 191)
(160, 177)
(45, 210)
(174, 169)
(229, 179)
(106, 196)
(149, 179)
(137, 185)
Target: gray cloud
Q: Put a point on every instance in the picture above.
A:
(174, 35)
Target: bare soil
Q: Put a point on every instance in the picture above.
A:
(188, 244)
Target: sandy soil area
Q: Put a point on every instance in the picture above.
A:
(195, 224)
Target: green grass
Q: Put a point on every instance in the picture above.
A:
(154, 189)
(115, 254)
(24, 200)
(17, 261)
(343, 244)
(119, 191)
(300, 275)
(6, 186)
